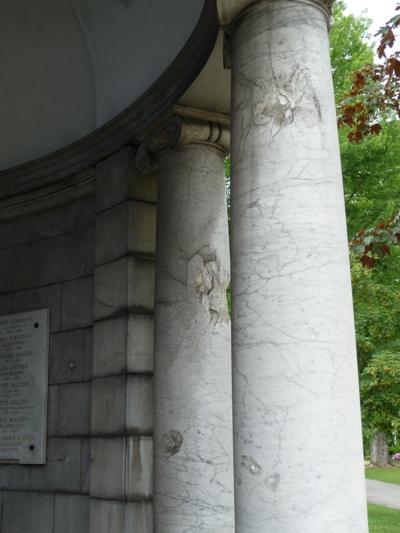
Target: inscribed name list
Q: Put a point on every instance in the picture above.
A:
(24, 350)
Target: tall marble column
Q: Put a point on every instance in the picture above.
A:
(297, 438)
(193, 449)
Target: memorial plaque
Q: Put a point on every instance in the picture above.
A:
(24, 351)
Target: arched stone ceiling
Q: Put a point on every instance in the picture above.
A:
(71, 66)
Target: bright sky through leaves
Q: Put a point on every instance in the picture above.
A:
(380, 11)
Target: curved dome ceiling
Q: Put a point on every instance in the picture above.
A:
(70, 66)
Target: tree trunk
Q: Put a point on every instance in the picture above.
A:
(379, 449)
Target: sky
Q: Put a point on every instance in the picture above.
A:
(378, 10)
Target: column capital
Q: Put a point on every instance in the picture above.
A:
(229, 10)
(181, 130)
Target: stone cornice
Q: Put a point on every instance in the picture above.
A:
(183, 129)
(50, 196)
(229, 10)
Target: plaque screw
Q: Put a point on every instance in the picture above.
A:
(72, 365)
(31, 446)
(36, 325)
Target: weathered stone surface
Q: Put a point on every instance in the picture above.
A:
(77, 303)
(45, 297)
(129, 227)
(38, 227)
(27, 513)
(107, 516)
(122, 405)
(63, 257)
(63, 468)
(57, 221)
(7, 234)
(123, 343)
(140, 343)
(109, 405)
(123, 285)
(228, 10)
(71, 514)
(139, 468)
(192, 363)
(69, 410)
(14, 477)
(107, 473)
(117, 180)
(79, 213)
(85, 466)
(19, 268)
(294, 359)
(27, 260)
(6, 304)
(90, 250)
(139, 405)
(109, 354)
(70, 356)
(121, 468)
(7, 270)
(379, 449)
(139, 517)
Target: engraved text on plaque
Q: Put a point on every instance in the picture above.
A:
(24, 349)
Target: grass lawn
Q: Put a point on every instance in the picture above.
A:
(390, 474)
(383, 520)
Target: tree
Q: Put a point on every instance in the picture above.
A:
(377, 308)
(380, 392)
(371, 173)
(350, 49)
(375, 91)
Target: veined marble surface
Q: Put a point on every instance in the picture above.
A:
(193, 469)
(297, 437)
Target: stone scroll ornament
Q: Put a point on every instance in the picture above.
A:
(180, 130)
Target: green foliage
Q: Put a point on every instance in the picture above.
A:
(371, 171)
(380, 392)
(371, 175)
(375, 91)
(377, 307)
(350, 49)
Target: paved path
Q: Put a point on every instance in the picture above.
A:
(386, 494)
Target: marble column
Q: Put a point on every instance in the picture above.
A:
(297, 438)
(193, 448)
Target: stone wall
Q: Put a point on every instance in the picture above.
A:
(46, 260)
(91, 263)
(121, 423)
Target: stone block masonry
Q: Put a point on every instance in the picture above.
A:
(121, 480)
(91, 262)
(47, 262)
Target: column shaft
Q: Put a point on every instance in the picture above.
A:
(193, 478)
(298, 451)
